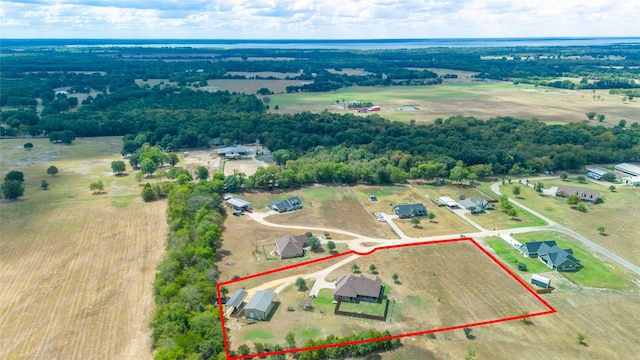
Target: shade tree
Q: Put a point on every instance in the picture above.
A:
(118, 166)
(52, 170)
(12, 189)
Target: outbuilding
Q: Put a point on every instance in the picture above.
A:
(238, 204)
(540, 281)
(596, 173)
(628, 169)
(235, 302)
(260, 306)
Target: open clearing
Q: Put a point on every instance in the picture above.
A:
(481, 100)
(76, 268)
(440, 285)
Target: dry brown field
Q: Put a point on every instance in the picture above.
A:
(77, 268)
(440, 285)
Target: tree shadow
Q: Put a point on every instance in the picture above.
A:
(122, 174)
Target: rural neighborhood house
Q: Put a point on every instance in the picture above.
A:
(290, 246)
(406, 211)
(290, 204)
(585, 194)
(354, 288)
(551, 254)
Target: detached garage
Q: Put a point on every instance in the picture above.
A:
(541, 281)
(260, 305)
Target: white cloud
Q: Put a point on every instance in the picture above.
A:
(283, 19)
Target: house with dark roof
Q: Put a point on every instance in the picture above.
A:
(290, 204)
(476, 205)
(406, 211)
(354, 288)
(551, 255)
(585, 194)
(290, 246)
(260, 306)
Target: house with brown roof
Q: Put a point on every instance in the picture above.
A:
(290, 246)
(354, 288)
(585, 194)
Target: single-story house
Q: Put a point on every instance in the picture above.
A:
(260, 305)
(232, 152)
(541, 281)
(354, 288)
(238, 204)
(631, 180)
(405, 211)
(290, 204)
(596, 173)
(585, 194)
(551, 254)
(291, 246)
(476, 204)
(235, 301)
(448, 202)
(628, 169)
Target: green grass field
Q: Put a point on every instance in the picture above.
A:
(512, 256)
(594, 272)
(256, 335)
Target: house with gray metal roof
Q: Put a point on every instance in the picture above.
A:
(235, 301)
(238, 204)
(260, 306)
(628, 169)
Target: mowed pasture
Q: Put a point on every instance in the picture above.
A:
(617, 213)
(481, 100)
(440, 285)
(77, 268)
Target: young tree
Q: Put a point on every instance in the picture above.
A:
(415, 221)
(355, 269)
(148, 167)
(610, 177)
(564, 175)
(612, 188)
(290, 338)
(173, 159)
(147, 193)
(581, 178)
(395, 277)
(118, 166)
(538, 187)
(14, 175)
(202, 173)
(516, 191)
(331, 245)
(600, 117)
(467, 332)
(581, 207)
(134, 160)
(12, 189)
(28, 146)
(138, 176)
(373, 269)
(44, 185)
(580, 338)
(161, 173)
(313, 243)
(52, 170)
(301, 284)
(243, 350)
(96, 186)
(601, 229)
(512, 212)
(573, 199)
(431, 216)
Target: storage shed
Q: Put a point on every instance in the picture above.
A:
(541, 281)
(260, 305)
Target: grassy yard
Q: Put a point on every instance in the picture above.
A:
(364, 307)
(594, 272)
(257, 335)
(512, 256)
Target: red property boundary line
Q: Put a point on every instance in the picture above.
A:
(550, 310)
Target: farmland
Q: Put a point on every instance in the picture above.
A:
(76, 267)
(425, 297)
(481, 100)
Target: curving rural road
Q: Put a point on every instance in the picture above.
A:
(358, 243)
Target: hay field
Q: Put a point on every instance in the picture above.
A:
(482, 100)
(76, 268)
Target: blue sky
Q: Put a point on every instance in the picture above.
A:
(316, 19)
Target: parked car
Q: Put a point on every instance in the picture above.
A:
(238, 213)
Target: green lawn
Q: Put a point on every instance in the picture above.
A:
(512, 256)
(594, 272)
(364, 307)
(324, 301)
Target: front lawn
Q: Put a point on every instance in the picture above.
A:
(512, 256)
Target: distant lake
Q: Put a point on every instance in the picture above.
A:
(368, 44)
